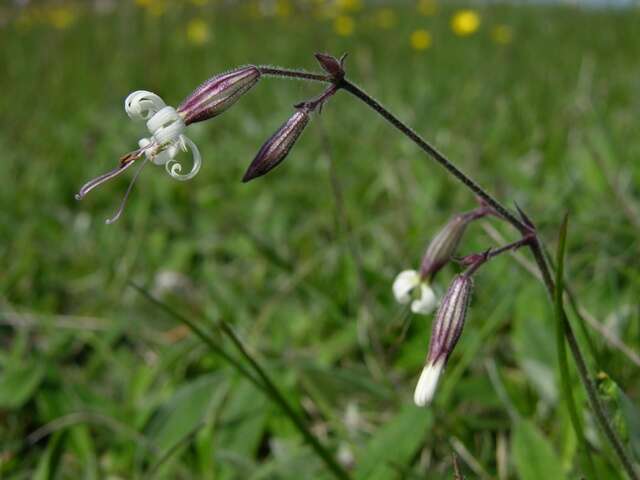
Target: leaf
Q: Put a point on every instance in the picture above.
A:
(241, 427)
(187, 409)
(395, 444)
(533, 455)
(50, 461)
(19, 382)
(534, 346)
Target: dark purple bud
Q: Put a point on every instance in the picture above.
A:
(217, 94)
(277, 147)
(331, 65)
(446, 330)
(445, 243)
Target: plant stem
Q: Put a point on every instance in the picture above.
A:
(435, 154)
(263, 382)
(534, 246)
(206, 339)
(337, 470)
(293, 74)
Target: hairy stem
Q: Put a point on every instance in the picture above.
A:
(293, 74)
(534, 246)
(435, 154)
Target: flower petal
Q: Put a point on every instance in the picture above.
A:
(427, 301)
(406, 281)
(174, 168)
(142, 105)
(427, 383)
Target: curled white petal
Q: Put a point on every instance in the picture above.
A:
(166, 126)
(427, 383)
(174, 168)
(427, 301)
(404, 283)
(142, 105)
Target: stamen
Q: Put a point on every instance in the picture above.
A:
(115, 217)
(105, 177)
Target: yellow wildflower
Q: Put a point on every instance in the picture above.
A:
(427, 7)
(62, 17)
(385, 18)
(198, 32)
(156, 8)
(344, 25)
(465, 22)
(502, 34)
(349, 5)
(283, 8)
(420, 39)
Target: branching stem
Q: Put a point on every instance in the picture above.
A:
(527, 232)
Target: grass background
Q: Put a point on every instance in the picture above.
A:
(95, 382)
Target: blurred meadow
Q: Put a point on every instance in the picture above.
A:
(539, 104)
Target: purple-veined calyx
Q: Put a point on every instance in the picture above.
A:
(217, 94)
(445, 332)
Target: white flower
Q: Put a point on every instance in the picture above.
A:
(166, 127)
(427, 383)
(410, 287)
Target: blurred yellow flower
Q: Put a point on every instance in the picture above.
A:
(420, 39)
(385, 18)
(502, 34)
(283, 8)
(465, 22)
(198, 32)
(349, 5)
(156, 8)
(62, 17)
(427, 7)
(344, 25)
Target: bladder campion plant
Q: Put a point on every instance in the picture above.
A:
(167, 141)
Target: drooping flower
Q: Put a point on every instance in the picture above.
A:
(409, 286)
(415, 286)
(445, 333)
(167, 125)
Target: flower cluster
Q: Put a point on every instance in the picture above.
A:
(412, 286)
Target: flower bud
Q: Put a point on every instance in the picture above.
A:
(445, 243)
(331, 65)
(217, 94)
(277, 147)
(446, 330)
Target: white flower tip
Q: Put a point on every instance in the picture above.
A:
(427, 301)
(406, 281)
(427, 383)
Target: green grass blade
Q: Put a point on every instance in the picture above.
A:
(262, 381)
(563, 363)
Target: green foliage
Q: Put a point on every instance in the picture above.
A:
(96, 382)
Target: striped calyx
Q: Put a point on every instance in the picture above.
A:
(217, 94)
(446, 330)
